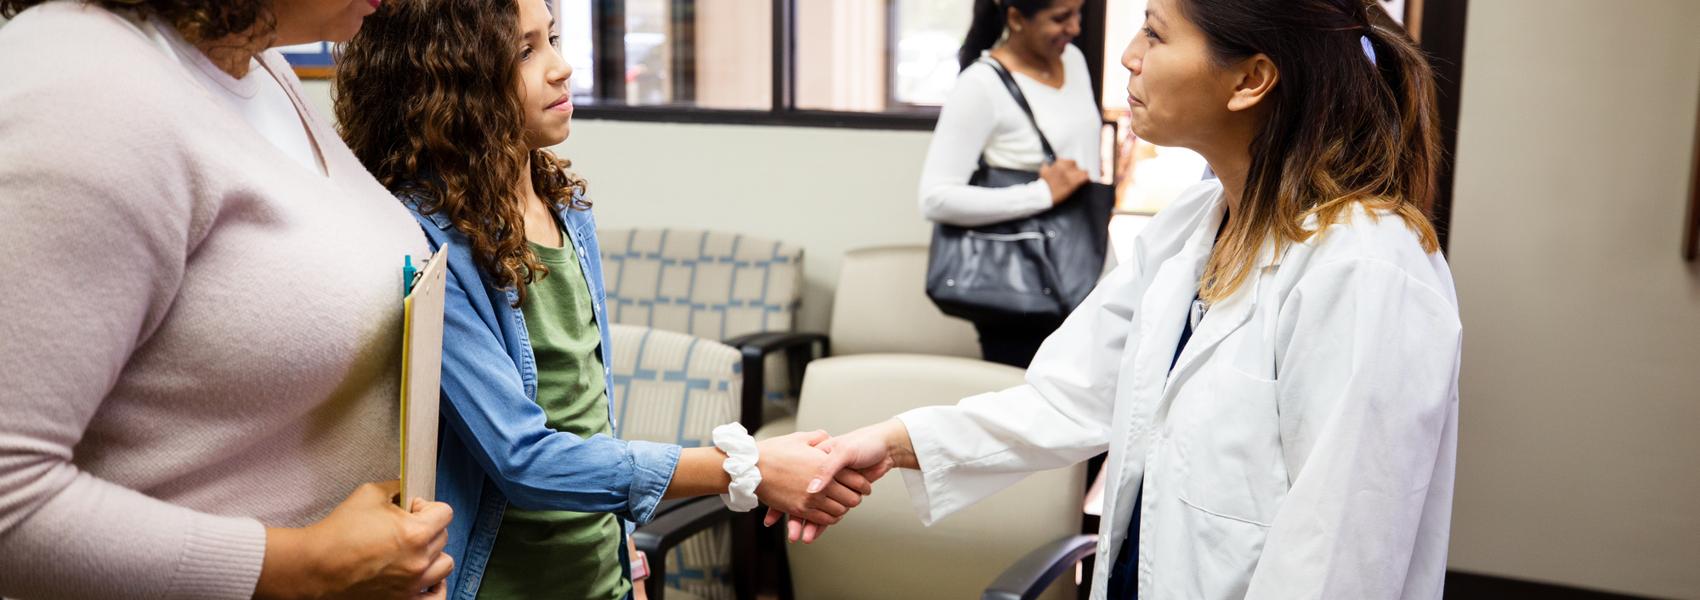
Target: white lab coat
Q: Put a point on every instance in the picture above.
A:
(1303, 446)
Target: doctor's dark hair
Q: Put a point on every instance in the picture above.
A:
(990, 19)
(427, 98)
(1347, 124)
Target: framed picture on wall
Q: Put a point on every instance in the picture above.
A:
(311, 61)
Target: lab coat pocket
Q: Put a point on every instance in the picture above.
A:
(1222, 552)
(1231, 453)
(1231, 482)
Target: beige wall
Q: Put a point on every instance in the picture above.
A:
(830, 190)
(1579, 461)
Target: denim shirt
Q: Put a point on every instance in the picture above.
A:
(495, 446)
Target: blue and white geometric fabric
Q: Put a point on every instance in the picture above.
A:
(709, 284)
(675, 388)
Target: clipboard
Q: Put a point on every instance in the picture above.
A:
(421, 375)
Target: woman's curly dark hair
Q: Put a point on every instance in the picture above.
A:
(197, 21)
(427, 97)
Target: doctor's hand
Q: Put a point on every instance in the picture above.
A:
(792, 479)
(867, 453)
(807, 531)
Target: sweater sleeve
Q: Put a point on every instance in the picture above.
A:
(966, 124)
(97, 235)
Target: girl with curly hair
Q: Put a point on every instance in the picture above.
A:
(453, 104)
(202, 328)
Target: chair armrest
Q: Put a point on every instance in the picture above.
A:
(1029, 577)
(799, 349)
(678, 523)
(666, 506)
(768, 342)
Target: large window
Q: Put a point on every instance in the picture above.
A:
(929, 32)
(879, 64)
(872, 63)
(669, 54)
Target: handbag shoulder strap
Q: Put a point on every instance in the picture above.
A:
(1021, 100)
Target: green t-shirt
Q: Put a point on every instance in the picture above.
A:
(552, 553)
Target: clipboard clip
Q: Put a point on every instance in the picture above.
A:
(409, 275)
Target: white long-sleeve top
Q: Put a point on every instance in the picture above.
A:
(980, 118)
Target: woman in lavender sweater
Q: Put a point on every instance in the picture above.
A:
(199, 315)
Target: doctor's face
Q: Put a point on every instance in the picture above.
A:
(1176, 94)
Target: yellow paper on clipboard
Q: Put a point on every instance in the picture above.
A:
(421, 375)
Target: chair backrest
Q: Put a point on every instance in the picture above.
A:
(881, 550)
(710, 284)
(670, 387)
(881, 305)
(675, 388)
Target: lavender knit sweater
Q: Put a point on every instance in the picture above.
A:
(198, 337)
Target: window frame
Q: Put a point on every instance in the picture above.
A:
(1438, 26)
(608, 31)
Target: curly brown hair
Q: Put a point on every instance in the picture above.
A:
(196, 20)
(426, 96)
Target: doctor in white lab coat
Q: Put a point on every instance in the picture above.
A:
(1274, 374)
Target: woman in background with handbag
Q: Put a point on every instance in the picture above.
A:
(985, 127)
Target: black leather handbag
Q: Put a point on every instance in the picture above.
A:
(1035, 267)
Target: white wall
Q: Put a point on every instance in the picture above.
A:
(1579, 461)
(829, 190)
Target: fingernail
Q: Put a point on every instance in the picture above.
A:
(815, 485)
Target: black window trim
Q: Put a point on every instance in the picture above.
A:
(916, 120)
(1441, 34)
(609, 28)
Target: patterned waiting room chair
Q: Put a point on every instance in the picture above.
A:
(739, 289)
(675, 388)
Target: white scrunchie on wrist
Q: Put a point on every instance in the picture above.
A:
(741, 457)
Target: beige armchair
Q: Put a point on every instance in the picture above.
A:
(881, 305)
(881, 550)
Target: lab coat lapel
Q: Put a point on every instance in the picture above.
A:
(1224, 318)
(1165, 308)
(1144, 373)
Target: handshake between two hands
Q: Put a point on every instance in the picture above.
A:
(816, 479)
